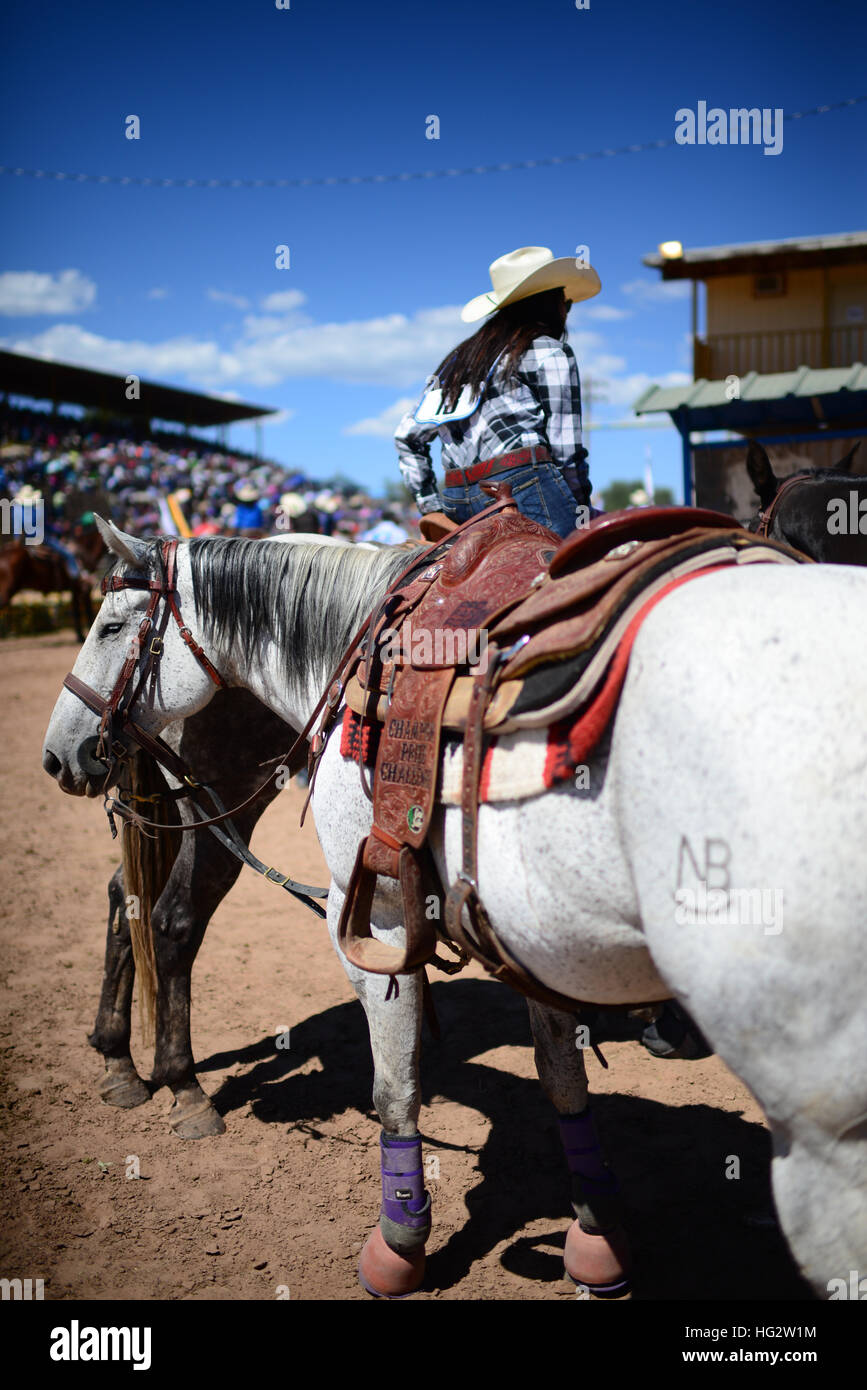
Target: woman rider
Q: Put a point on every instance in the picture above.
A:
(506, 402)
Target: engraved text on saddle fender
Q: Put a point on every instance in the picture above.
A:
(412, 753)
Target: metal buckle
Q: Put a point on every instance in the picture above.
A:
(280, 881)
(509, 652)
(156, 646)
(119, 750)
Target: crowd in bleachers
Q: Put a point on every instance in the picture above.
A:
(78, 467)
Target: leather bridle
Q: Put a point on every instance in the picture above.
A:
(146, 649)
(766, 515)
(141, 667)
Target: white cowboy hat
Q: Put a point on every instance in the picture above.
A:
(292, 504)
(28, 495)
(530, 270)
(246, 493)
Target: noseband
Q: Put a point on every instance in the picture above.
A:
(115, 718)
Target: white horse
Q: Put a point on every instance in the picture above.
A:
(734, 778)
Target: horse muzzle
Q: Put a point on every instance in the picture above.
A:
(85, 776)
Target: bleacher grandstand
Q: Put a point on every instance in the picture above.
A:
(110, 458)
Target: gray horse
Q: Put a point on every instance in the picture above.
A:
(677, 797)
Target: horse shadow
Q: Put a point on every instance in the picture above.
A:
(696, 1180)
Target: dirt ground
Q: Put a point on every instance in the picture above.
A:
(284, 1200)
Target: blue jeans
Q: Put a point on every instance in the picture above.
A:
(539, 489)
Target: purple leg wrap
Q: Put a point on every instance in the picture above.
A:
(595, 1189)
(405, 1212)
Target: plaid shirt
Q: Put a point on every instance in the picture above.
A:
(543, 406)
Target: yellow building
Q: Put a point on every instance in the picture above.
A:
(779, 339)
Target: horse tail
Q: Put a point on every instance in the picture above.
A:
(148, 856)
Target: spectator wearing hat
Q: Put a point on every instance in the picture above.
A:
(248, 513)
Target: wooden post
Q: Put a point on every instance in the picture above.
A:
(686, 459)
(826, 320)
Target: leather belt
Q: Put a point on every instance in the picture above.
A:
(459, 477)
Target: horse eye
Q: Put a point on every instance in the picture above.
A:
(110, 629)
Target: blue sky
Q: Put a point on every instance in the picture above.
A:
(180, 285)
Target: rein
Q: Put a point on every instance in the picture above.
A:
(115, 714)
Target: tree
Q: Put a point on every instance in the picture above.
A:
(395, 490)
(615, 497)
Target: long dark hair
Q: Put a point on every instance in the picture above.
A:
(509, 332)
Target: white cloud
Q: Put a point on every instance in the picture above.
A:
(394, 350)
(158, 292)
(25, 292)
(269, 325)
(656, 291)
(606, 313)
(224, 297)
(282, 301)
(384, 424)
(625, 390)
(159, 361)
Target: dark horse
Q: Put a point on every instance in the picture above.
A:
(39, 567)
(194, 875)
(820, 511)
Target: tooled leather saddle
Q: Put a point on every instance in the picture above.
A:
(501, 625)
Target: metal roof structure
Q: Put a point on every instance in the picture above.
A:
(806, 404)
(63, 383)
(795, 253)
(808, 398)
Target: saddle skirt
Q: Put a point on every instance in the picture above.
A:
(501, 627)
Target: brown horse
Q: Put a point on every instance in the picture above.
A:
(38, 567)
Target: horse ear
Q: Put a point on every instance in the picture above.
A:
(121, 544)
(761, 472)
(846, 461)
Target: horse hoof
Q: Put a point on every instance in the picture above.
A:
(384, 1273)
(124, 1091)
(201, 1122)
(600, 1263)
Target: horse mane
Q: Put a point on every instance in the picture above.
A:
(308, 599)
